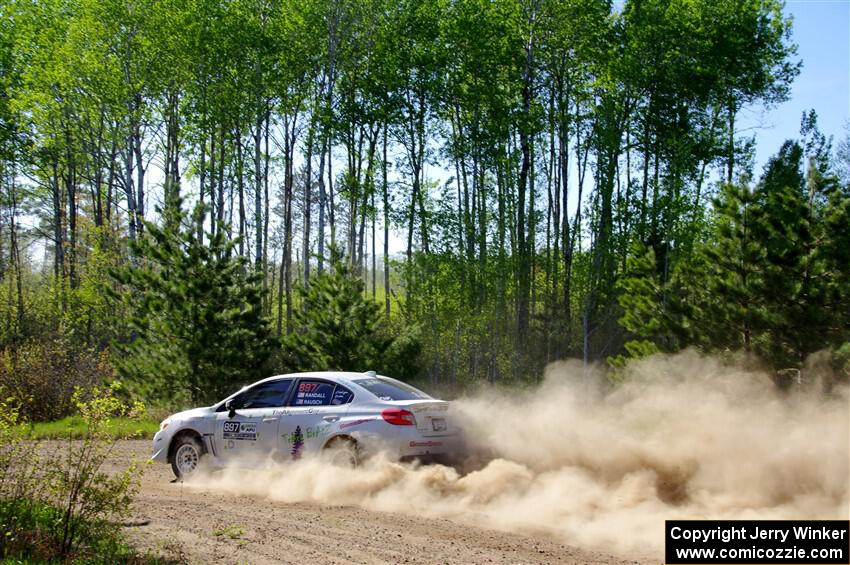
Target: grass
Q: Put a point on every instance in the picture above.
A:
(75, 427)
(31, 536)
(232, 532)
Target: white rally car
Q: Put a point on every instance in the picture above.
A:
(286, 416)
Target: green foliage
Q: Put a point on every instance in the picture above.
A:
(337, 328)
(772, 277)
(76, 427)
(641, 296)
(403, 357)
(43, 376)
(784, 295)
(733, 309)
(635, 349)
(640, 293)
(62, 505)
(197, 321)
(841, 362)
(33, 540)
(231, 531)
(634, 104)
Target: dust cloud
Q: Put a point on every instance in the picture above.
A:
(684, 436)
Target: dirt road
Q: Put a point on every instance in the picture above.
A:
(217, 527)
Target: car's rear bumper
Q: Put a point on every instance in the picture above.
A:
(416, 446)
(448, 459)
(407, 443)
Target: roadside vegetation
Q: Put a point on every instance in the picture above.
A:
(63, 505)
(76, 427)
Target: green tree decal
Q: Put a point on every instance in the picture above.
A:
(297, 443)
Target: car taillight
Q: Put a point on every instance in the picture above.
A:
(398, 417)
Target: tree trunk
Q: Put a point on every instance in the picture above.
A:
(71, 193)
(308, 204)
(140, 169)
(258, 189)
(386, 208)
(240, 183)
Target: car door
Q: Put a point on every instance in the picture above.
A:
(251, 433)
(315, 406)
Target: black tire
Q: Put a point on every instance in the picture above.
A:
(343, 451)
(187, 453)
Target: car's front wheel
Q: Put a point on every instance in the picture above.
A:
(188, 453)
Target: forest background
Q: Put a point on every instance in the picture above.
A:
(195, 194)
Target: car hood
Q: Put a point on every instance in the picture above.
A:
(193, 413)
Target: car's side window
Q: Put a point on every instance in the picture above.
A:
(313, 393)
(272, 394)
(342, 395)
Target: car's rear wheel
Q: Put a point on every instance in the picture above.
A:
(187, 457)
(343, 452)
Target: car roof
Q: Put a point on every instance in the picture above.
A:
(340, 376)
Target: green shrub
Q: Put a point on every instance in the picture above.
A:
(43, 376)
(61, 505)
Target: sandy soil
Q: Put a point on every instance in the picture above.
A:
(178, 522)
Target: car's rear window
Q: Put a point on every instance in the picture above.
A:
(342, 395)
(386, 388)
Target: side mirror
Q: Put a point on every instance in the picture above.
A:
(231, 406)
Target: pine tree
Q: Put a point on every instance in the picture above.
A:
(834, 255)
(640, 297)
(196, 313)
(784, 227)
(773, 279)
(337, 328)
(803, 226)
(734, 259)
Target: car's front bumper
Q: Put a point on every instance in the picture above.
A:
(160, 447)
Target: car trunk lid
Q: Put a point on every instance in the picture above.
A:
(433, 417)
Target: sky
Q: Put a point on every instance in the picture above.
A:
(821, 30)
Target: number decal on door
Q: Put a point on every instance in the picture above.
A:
(240, 430)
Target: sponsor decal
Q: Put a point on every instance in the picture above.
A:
(310, 401)
(240, 430)
(283, 412)
(426, 443)
(297, 443)
(355, 423)
(310, 432)
(341, 396)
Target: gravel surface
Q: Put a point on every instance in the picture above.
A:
(179, 522)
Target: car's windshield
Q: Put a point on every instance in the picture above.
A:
(386, 388)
